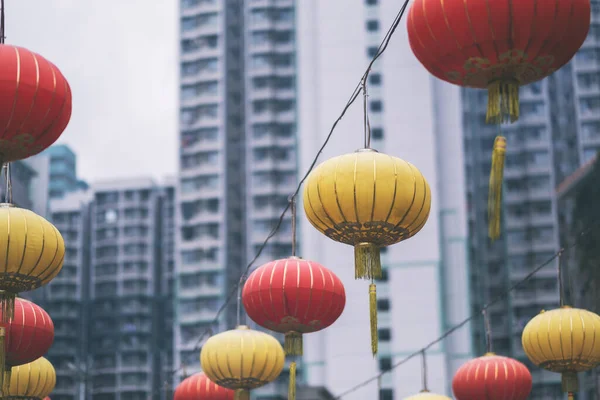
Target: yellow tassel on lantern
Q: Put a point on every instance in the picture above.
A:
(292, 388)
(4, 378)
(367, 261)
(7, 305)
(503, 102)
(292, 344)
(373, 312)
(495, 193)
(242, 394)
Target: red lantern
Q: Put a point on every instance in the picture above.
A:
(199, 387)
(498, 45)
(35, 106)
(293, 296)
(492, 377)
(29, 334)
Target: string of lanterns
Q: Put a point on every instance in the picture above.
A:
(371, 200)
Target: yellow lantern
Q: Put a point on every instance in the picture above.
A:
(242, 359)
(367, 200)
(34, 380)
(564, 341)
(426, 395)
(32, 254)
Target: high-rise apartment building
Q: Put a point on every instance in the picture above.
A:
(558, 130)
(424, 290)
(237, 156)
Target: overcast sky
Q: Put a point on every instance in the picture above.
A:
(120, 58)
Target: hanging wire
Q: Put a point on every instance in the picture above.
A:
(294, 233)
(367, 124)
(561, 292)
(424, 370)
(465, 321)
(239, 304)
(8, 196)
(488, 331)
(2, 37)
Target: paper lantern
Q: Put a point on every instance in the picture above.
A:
(293, 296)
(36, 103)
(34, 380)
(367, 200)
(32, 256)
(498, 45)
(426, 395)
(242, 359)
(564, 341)
(199, 387)
(508, 379)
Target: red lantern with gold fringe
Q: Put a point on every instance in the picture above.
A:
(498, 46)
(199, 387)
(293, 296)
(36, 103)
(508, 379)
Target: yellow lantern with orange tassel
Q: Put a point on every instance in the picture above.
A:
(242, 359)
(368, 200)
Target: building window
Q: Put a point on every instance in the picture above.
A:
(377, 134)
(385, 334)
(372, 26)
(385, 363)
(371, 2)
(386, 394)
(384, 276)
(372, 51)
(383, 305)
(375, 79)
(376, 106)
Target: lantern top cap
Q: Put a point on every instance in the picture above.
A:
(489, 354)
(6, 205)
(367, 150)
(242, 328)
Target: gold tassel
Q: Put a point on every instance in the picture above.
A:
(4, 376)
(570, 382)
(495, 191)
(293, 344)
(292, 388)
(571, 396)
(373, 312)
(7, 305)
(242, 394)
(367, 261)
(503, 102)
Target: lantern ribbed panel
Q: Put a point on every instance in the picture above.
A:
(32, 250)
(492, 377)
(199, 387)
(563, 340)
(242, 358)
(29, 334)
(36, 103)
(367, 196)
(473, 43)
(35, 379)
(293, 295)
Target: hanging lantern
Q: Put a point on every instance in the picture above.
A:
(510, 380)
(425, 395)
(199, 387)
(32, 257)
(34, 380)
(367, 200)
(242, 359)
(564, 341)
(37, 103)
(497, 46)
(28, 336)
(300, 296)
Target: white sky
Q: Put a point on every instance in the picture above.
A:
(120, 58)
